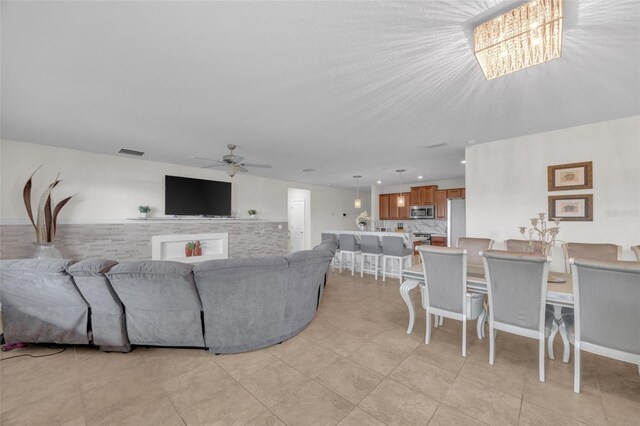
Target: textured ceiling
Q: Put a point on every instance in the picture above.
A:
(344, 88)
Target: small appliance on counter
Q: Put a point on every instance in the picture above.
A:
(423, 212)
(399, 227)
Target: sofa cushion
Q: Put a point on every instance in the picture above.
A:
(91, 267)
(254, 262)
(148, 269)
(36, 266)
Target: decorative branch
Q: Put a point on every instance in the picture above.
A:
(45, 223)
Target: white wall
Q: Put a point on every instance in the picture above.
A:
(108, 188)
(506, 183)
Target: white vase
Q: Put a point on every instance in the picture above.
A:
(252, 216)
(362, 227)
(144, 215)
(46, 251)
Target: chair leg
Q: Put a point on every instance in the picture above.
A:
(541, 341)
(566, 354)
(353, 263)
(576, 369)
(341, 261)
(552, 335)
(377, 261)
(400, 264)
(362, 265)
(480, 324)
(384, 269)
(427, 335)
(441, 320)
(492, 344)
(464, 337)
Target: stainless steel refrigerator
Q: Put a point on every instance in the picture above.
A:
(456, 219)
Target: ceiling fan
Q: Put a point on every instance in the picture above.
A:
(233, 163)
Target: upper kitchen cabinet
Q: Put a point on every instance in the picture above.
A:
(383, 207)
(455, 193)
(388, 206)
(441, 204)
(441, 198)
(423, 195)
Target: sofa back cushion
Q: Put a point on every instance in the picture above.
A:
(243, 301)
(161, 302)
(40, 302)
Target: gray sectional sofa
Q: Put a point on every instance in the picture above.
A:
(227, 306)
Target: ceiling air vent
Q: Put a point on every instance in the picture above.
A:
(131, 152)
(435, 145)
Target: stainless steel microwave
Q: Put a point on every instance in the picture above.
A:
(423, 212)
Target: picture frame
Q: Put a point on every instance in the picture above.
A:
(571, 176)
(571, 208)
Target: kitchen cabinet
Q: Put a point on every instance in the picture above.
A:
(439, 241)
(388, 206)
(441, 204)
(383, 207)
(455, 193)
(423, 195)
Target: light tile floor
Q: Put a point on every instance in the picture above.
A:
(354, 365)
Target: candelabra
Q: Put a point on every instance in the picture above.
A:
(542, 233)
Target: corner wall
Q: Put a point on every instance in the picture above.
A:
(506, 183)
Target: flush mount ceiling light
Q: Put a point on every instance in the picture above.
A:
(525, 36)
(357, 203)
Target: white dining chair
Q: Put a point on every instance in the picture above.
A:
(595, 251)
(636, 250)
(606, 299)
(370, 248)
(393, 249)
(517, 288)
(445, 286)
(474, 246)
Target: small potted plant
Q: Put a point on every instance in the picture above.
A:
(252, 213)
(145, 211)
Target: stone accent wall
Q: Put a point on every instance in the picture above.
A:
(132, 241)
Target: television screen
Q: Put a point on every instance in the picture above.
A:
(187, 196)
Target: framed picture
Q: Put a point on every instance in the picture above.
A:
(564, 177)
(571, 207)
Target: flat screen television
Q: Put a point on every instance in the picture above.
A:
(187, 196)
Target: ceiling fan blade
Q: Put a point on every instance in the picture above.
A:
(195, 157)
(213, 165)
(232, 158)
(242, 169)
(262, 166)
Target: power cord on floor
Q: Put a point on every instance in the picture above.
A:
(36, 356)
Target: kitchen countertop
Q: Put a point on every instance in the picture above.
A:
(408, 237)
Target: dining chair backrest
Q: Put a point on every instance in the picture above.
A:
(348, 242)
(393, 246)
(474, 246)
(606, 300)
(597, 251)
(524, 246)
(445, 270)
(517, 287)
(636, 250)
(370, 244)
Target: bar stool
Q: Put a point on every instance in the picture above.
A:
(370, 246)
(348, 246)
(393, 249)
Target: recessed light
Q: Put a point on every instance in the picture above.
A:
(463, 162)
(379, 182)
(420, 177)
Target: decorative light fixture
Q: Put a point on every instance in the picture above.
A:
(400, 200)
(357, 203)
(379, 182)
(232, 170)
(525, 36)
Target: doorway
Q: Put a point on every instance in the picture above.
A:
(299, 220)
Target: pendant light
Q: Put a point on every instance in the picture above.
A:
(401, 200)
(357, 203)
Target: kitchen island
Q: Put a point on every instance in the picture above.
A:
(407, 237)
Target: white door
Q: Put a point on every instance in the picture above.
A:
(296, 224)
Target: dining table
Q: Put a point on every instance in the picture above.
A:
(559, 290)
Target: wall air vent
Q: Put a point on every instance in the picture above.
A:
(131, 152)
(434, 145)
